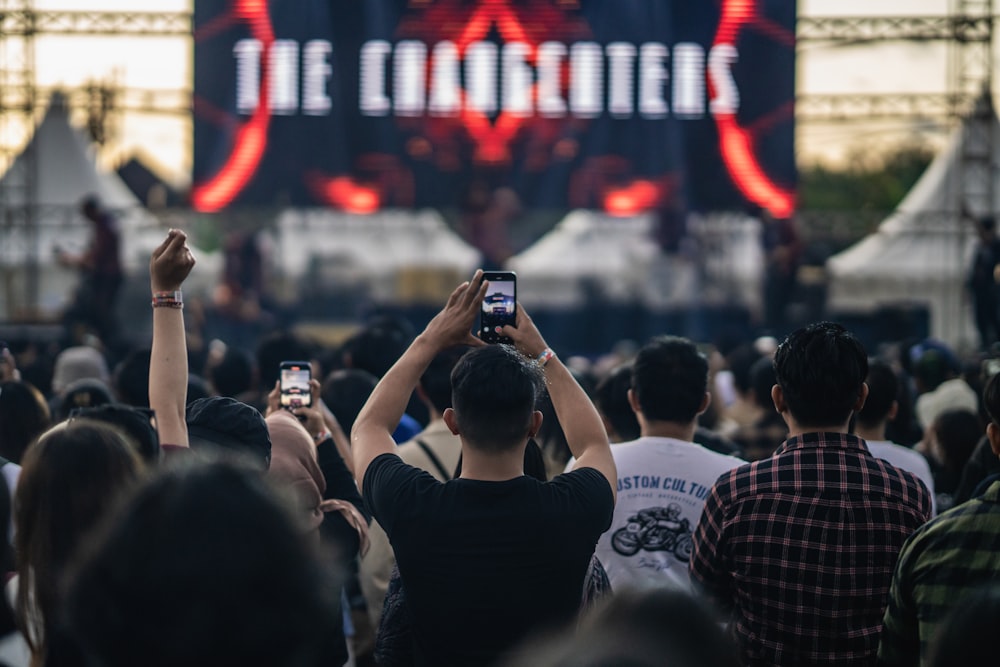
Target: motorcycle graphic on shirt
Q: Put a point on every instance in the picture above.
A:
(655, 529)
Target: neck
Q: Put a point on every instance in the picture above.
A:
(872, 433)
(796, 429)
(665, 429)
(492, 466)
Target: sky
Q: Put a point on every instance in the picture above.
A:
(166, 63)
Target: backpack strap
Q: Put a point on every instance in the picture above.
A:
(434, 459)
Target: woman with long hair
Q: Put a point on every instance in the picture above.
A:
(70, 480)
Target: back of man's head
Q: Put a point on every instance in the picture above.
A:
(234, 374)
(762, 381)
(669, 378)
(345, 392)
(376, 348)
(494, 390)
(611, 397)
(436, 380)
(282, 346)
(132, 378)
(821, 369)
(740, 361)
(883, 388)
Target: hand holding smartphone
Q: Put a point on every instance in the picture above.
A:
(294, 384)
(499, 306)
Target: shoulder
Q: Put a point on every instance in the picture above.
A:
(388, 471)
(971, 525)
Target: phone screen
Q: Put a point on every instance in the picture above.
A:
(295, 391)
(499, 306)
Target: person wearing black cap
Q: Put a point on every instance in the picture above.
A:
(224, 424)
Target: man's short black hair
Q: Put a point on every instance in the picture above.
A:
(669, 378)
(436, 380)
(820, 369)
(494, 390)
(233, 375)
(282, 346)
(611, 397)
(883, 389)
(740, 361)
(762, 380)
(132, 378)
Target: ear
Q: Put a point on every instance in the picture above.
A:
(893, 411)
(450, 421)
(536, 423)
(633, 401)
(705, 402)
(862, 397)
(778, 397)
(993, 435)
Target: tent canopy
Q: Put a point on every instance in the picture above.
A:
(920, 254)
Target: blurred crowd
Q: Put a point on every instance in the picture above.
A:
(261, 547)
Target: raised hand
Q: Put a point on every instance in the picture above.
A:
(170, 263)
(527, 339)
(453, 325)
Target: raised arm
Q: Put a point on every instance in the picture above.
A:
(372, 432)
(169, 265)
(580, 421)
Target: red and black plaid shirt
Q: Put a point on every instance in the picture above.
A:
(800, 549)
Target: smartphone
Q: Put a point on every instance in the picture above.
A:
(294, 384)
(499, 305)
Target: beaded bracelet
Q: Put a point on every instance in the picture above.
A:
(545, 356)
(173, 299)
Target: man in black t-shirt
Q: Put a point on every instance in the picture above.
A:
(492, 556)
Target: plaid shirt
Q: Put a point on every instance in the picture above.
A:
(947, 558)
(800, 549)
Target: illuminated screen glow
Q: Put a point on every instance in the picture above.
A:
(618, 105)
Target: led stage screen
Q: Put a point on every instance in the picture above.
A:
(615, 105)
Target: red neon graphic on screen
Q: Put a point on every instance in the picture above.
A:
(250, 140)
(735, 142)
(641, 195)
(344, 193)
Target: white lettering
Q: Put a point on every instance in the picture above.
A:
(372, 98)
(652, 75)
(283, 77)
(689, 81)
(316, 72)
(410, 65)
(720, 73)
(247, 52)
(621, 67)
(481, 76)
(550, 101)
(586, 77)
(445, 97)
(516, 79)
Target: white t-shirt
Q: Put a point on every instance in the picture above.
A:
(906, 459)
(662, 487)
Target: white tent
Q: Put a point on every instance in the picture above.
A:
(392, 255)
(64, 172)
(920, 254)
(590, 254)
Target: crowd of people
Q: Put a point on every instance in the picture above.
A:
(442, 501)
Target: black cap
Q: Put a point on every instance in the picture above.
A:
(82, 394)
(134, 421)
(229, 424)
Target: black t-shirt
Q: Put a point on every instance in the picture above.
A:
(485, 564)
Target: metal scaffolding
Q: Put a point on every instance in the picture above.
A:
(967, 29)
